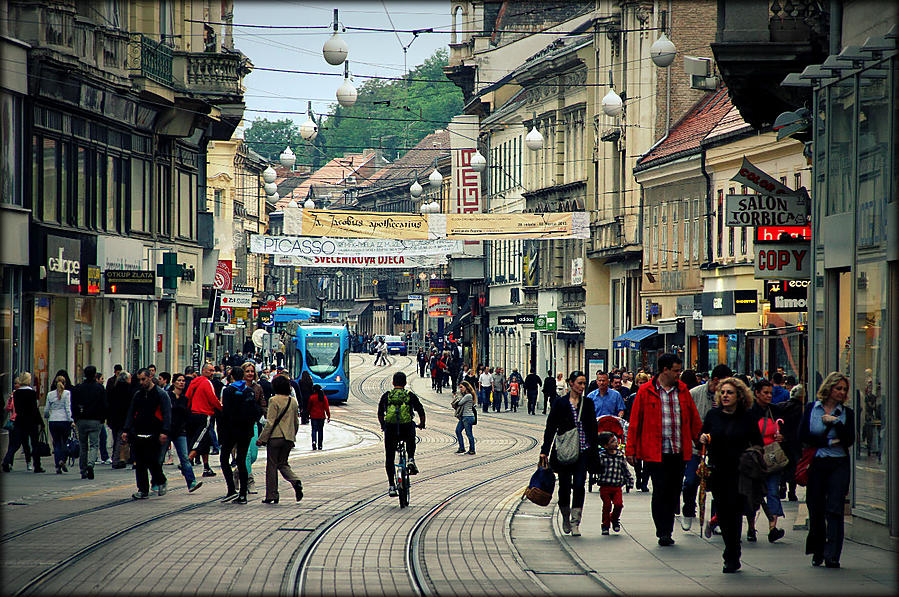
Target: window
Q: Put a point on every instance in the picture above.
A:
(76, 215)
(698, 229)
(164, 206)
(50, 170)
(140, 194)
(218, 196)
(687, 224)
(675, 232)
(655, 234)
(663, 241)
(720, 227)
(185, 204)
(730, 232)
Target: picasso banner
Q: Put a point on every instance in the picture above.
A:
(364, 224)
(374, 262)
(304, 246)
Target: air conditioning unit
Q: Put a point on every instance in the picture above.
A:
(700, 72)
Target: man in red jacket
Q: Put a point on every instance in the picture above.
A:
(663, 426)
(204, 404)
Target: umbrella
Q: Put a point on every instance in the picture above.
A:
(702, 471)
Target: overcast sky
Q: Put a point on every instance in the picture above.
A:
(370, 53)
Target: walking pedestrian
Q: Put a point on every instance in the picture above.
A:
(728, 429)
(531, 388)
(305, 386)
(119, 401)
(614, 475)
(147, 426)
(500, 400)
(664, 424)
(89, 411)
(514, 388)
(240, 411)
(641, 474)
(549, 390)
(422, 360)
(27, 424)
(319, 412)
(561, 387)
(770, 430)
(204, 404)
(466, 419)
(828, 425)
(178, 430)
(569, 412)
(791, 413)
(279, 435)
(58, 412)
(485, 381)
(249, 376)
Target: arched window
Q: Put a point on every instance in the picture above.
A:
(458, 23)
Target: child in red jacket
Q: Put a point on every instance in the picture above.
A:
(318, 412)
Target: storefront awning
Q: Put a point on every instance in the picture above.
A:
(461, 317)
(632, 338)
(357, 310)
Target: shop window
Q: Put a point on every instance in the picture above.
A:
(841, 154)
(873, 159)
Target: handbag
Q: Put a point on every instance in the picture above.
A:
(541, 486)
(776, 459)
(42, 448)
(73, 448)
(475, 411)
(456, 406)
(568, 444)
(275, 424)
(802, 467)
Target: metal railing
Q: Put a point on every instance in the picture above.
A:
(153, 58)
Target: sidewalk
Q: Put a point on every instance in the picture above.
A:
(632, 562)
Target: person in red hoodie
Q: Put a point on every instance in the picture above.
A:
(663, 426)
(318, 412)
(204, 405)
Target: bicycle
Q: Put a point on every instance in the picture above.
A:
(402, 474)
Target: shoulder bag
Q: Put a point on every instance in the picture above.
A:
(278, 419)
(568, 444)
(776, 459)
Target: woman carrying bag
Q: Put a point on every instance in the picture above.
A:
(569, 447)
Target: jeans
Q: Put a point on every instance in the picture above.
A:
(828, 485)
(59, 432)
(572, 478)
(89, 438)
(498, 399)
(772, 483)
(145, 451)
(532, 403)
(277, 451)
(691, 485)
(242, 443)
(318, 432)
(484, 398)
(465, 423)
(667, 479)
(187, 468)
(612, 504)
(25, 437)
(214, 438)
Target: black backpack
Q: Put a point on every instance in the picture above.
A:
(249, 408)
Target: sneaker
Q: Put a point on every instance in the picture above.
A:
(39, 470)
(241, 499)
(162, 490)
(413, 470)
(460, 451)
(731, 567)
(392, 491)
(119, 464)
(195, 486)
(90, 472)
(251, 486)
(470, 452)
(107, 461)
(775, 534)
(666, 541)
(214, 452)
(154, 488)
(27, 466)
(817, 560)
(751, 535)
(831, 564)
(686, 522)
(605, 530)
(6, 468)
(208, 472)
(616, 526)
(229, 496)
(139, 495)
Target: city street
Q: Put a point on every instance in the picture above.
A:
(466, 531)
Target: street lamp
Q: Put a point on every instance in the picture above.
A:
(269, 174)
(346, 93)
(270, 188)
(662, 51)
(534, 140)
(288, 158)
(478, 161)
(436, 179)
(309, 203)
(309, 129)
(335, 49)
(415, 190)
(612, 105)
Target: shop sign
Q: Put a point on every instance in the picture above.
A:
(525, 319)
(577, 270)
(787, 296)
(782, 261)
(439, 286)
(93, 279)
(765, 210)
(505, 320)
(717, 303)
(222, 280)
(242, 300)
(63, 264)
(440, 305)
(540, 322)
(785, 233)
(596, 359)
(141, 282)
(415, 302)
(760, 181)
(746, 301)
(548, 322)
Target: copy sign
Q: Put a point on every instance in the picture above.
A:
(782, 261)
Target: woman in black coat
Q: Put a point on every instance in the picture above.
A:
(27, 426)
(305, 386)
(728, 429)
(549, 391)
(572, 477)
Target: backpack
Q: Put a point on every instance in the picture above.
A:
(399, 408)
(249, 407)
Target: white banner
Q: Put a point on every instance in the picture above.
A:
(373, 262)
(310, 246)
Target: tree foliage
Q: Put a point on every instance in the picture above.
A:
(416, 107)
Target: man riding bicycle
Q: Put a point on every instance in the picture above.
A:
(395, 415)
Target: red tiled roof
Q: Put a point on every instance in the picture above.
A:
(693, 127)
(419, 159)
(331, 175)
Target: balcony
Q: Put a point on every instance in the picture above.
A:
(617, 238)
(153, 59)
(758, 43)
(211, 73)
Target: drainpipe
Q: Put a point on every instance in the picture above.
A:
(836, 26)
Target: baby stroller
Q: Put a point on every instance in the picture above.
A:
(612, 424)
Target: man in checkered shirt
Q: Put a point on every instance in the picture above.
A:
(615, 473)
(663, 427)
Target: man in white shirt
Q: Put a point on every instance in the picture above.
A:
(486, 382)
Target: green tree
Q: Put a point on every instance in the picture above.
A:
(268, 138)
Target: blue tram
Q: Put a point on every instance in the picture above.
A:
(323, 351)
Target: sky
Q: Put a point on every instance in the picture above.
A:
(370, 53)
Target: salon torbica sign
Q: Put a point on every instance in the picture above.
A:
(63, 265)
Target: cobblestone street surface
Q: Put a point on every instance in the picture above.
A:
(466, 531)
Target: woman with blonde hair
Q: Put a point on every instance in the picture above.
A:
(58, 412)
(28, 423)
(728, 429)
(466, 419)
(828, 425)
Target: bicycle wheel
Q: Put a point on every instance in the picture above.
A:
(403, 489)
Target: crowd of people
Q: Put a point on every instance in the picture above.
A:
(229, 410)
(753, 431)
